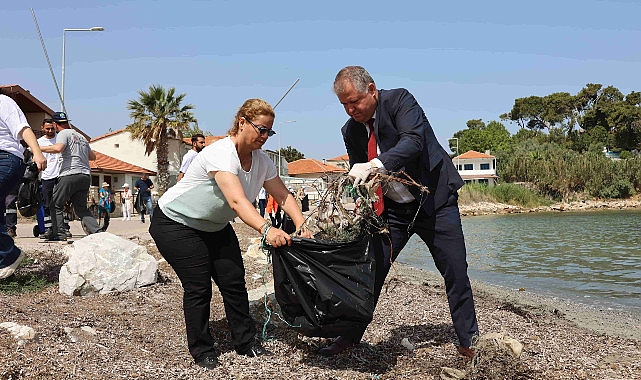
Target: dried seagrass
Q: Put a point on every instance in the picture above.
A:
(346, 211)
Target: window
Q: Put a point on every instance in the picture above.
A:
(95, 180)
(468, 167)
(485, 166)
(483, 181)
(116, 145)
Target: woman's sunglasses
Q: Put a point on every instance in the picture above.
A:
(262, 130)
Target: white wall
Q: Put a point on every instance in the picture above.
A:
(121, 146)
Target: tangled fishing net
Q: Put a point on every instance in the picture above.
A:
(346, 211)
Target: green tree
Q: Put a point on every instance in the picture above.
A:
(481, 137)
(291, 154)
(195, 129)
(158, 115)
(539, 113)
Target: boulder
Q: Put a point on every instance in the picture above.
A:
(102, 263)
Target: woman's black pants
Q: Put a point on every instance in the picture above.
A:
(197, 257)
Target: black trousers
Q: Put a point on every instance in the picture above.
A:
(47, 195)
(443, 235)
(197, 257)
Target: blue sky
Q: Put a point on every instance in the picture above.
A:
(462, 60)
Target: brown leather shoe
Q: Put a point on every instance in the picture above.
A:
(466, 351)
(337, 346)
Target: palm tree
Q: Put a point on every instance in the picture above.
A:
(158, 115)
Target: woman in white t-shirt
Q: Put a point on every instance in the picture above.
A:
(192, 231)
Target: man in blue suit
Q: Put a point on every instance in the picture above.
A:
(404, 141)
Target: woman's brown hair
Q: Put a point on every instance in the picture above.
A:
(250, 110)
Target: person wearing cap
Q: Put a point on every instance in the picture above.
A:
(13, 128)
(104, 205)
(74, 178)
(197, 144)
(127, 198)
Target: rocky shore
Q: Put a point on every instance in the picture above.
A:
(140, 334)
(486, 208)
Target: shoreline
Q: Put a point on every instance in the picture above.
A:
(141, 332)
(609, 322)
(488, 208)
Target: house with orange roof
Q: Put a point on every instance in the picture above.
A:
(476, 167)
(340, 161)
(120, 144)
(310, 174)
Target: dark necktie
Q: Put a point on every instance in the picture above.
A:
(371, 154)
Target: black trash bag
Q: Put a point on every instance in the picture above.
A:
(29, 196)
(325, 288)
(288, 224)
(140, 205)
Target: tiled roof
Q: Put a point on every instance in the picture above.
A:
(312, 166)
(208, 139)
(110, 164)
(474, 154)
(30, 104)
(344, 157)
(107, 135)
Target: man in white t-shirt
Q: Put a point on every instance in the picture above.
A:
(50, 174)
(13, 128)
(197, 144)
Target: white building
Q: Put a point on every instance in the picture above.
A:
(120, 145)
(475, 167)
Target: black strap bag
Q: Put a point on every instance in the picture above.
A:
(325, 288)
(29, 197)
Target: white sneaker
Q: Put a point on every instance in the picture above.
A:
(8, 271)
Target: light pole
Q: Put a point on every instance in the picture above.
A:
(64, 31)
(279, 147)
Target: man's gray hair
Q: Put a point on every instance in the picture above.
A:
(356, 75)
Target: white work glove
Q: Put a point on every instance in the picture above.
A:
(360, 172)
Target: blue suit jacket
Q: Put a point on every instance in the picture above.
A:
(406, 142)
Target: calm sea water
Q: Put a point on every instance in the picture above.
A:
(592, 258)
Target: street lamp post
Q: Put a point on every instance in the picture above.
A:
(279, 146)
(64, 31)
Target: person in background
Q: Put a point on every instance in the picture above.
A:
(104, 205)
(197, 144)
(273, 210)
(50, 174)
(143, 186)
(13, 129)
(74, 178)
(127, 198)
(304, 199)
(388, 131)
(222, 181)
(262, 201)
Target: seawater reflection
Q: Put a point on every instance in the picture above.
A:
(588, 257)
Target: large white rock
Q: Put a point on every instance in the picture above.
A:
(104, 262)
